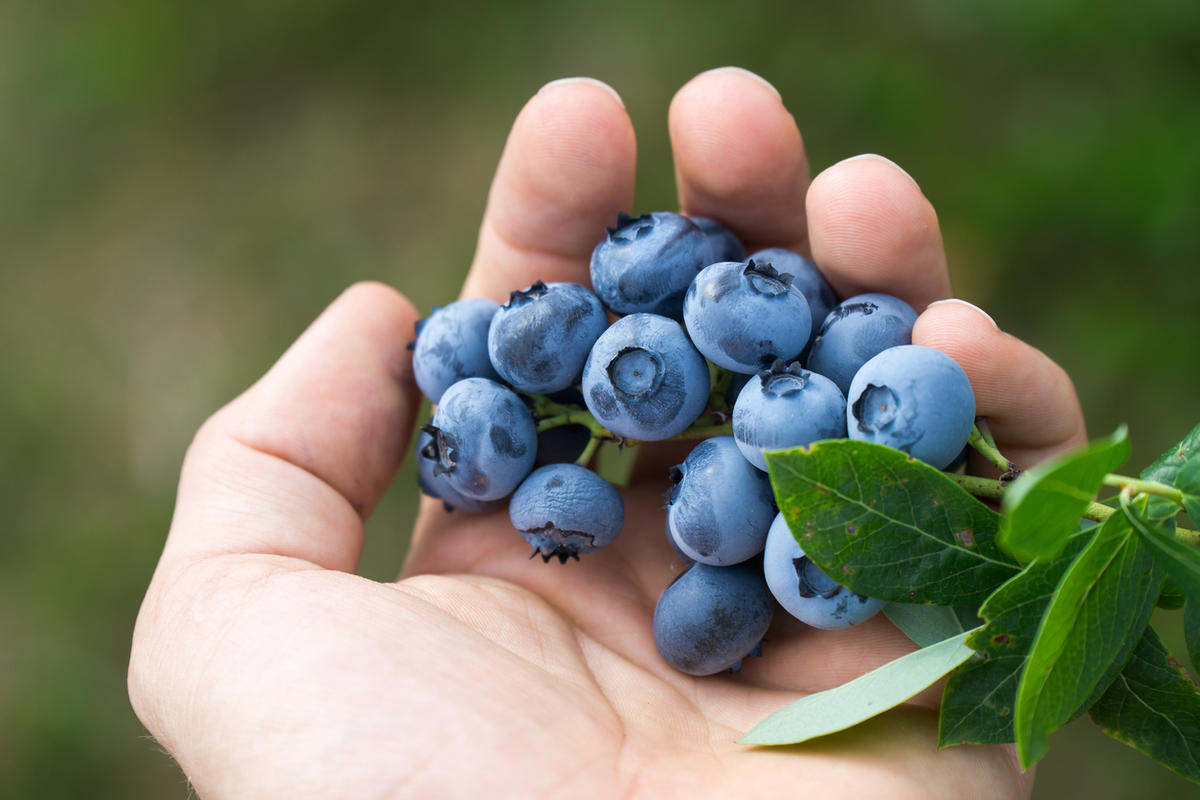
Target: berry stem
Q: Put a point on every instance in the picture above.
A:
(718, 382)
(1136, 485)
(986, 446)
(589, 450)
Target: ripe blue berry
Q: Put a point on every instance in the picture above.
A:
(720, 506)
(452, 344)
(644, 379)
(483, 439)
(804, 591)
(856, 329)
(805, 277)
(786, 406)
(564, 510)
(539, 340)
(914, 399)
(711, 618)
(725, 244)
(438, 486)
(744, 315)
(646, 263)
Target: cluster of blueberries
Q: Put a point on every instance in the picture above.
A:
(702, 333)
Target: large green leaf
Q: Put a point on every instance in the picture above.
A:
(1187, 480)
(1166, 467)
(1154, 707)
(1093, 621)
(977, 705)
(862, 698)
(887, 525)
(925, 625)
(1180, 560)
(1042, 507)
(1191, 634)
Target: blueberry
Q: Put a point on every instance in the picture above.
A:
(710, 618)
(540, 338)
(438, 486)
(805, 277)
(646, 263)
(744, 315)
(725, 244)
(483, 439)
(786, 406)
(644, 379)
(452, 344)
(856, 329)
(914, 399)
(720, 506)
(804, 591)
(564, 510)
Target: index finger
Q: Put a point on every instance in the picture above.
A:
(566, 170)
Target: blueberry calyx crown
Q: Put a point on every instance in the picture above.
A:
(763, 269)
(876, 408)
(569, 546)
(620, 232)
(866, 308)
(781, 378)
(636, 371)
(522, 296)
(441, 449)
(805, 583)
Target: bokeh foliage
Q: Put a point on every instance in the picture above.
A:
(183, 186)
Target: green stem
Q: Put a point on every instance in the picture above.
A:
(1137, 486)
(979, 487)
(987, 448)
(993, 489)
(589, 450)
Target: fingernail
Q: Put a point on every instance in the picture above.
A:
(584, 82)
(971, 306)
(747, 73)
(881, 159)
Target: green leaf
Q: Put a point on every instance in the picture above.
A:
(1187, 480)
(1180, 560)
(1166, 467)
(862, 698)
(1154, 707)
(1093, 621)
(1191, 634)
(888, 526)
(1044, 505)
(977, 706)
(1171, 597)
(925, 625)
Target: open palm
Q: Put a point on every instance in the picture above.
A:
(268, 669)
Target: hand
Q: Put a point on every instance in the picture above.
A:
(268, 669)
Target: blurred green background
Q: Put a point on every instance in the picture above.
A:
(183, 186)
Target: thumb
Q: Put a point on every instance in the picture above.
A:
(295, 464)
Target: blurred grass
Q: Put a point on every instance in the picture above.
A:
(184, 186)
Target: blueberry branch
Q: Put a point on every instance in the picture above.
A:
(993, 489)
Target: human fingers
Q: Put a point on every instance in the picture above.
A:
(567, 169)
(873, 230)
(1028, 400)
(739, 158)
(294, 465)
